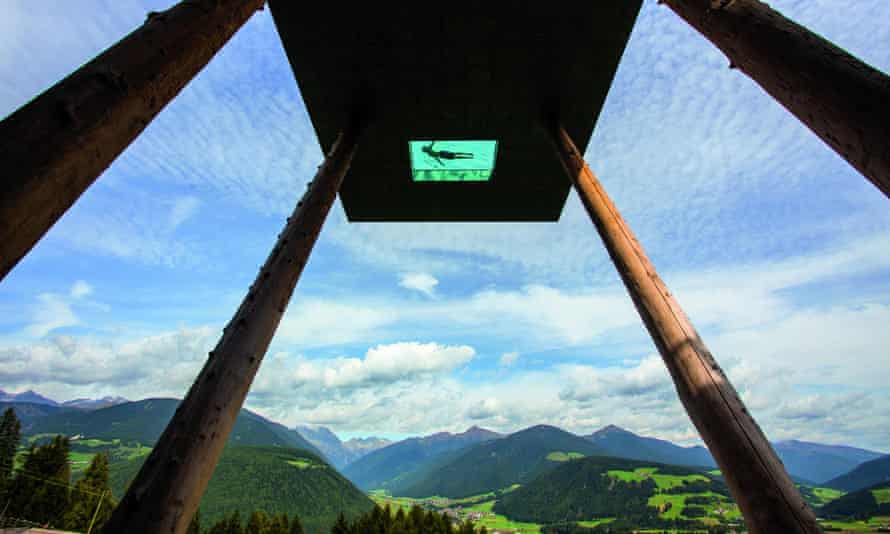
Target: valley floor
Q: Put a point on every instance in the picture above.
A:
(477, 508)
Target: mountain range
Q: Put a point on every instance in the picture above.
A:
(340, 453)
(448, 464)
(33, 397)
(863, 475)
(808, 462)
(499, 463)
(143, 422)
(384, 467)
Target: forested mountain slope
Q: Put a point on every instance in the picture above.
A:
(273, 479)
(383, 467)
(501, 463)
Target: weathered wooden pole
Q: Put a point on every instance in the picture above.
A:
(759, 483)
(842, 99)
(53, 148)
(166, 492)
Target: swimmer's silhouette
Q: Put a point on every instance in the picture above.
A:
(439, 155)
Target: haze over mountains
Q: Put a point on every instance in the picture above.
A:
(340, 453)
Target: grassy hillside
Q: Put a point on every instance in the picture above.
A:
(812, 463)
(273, 479)
(501, 463)
(386, 467)
(864, 475)
(643, 494)
(142, 422)
(860, 505)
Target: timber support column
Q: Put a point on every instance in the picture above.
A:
(53, 148)
(165, 494)
(759, 483)
(840, 98)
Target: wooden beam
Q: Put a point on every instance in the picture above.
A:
(841, 99)
(759, 483)
(166, 492)
(53, 148)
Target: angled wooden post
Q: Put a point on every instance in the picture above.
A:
(165, 494)
(759, 483)
(840, 98)
(53, 148)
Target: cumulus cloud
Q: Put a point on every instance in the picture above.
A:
(714, 144)
(586, 383)
(485, 409)
(384, 363)
(67, 366)
(421, 282)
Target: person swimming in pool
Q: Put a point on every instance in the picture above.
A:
(439, 155)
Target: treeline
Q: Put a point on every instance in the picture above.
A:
(259, 522)
(622, 527)
(416, 521)
(377, 521)
(39, 491)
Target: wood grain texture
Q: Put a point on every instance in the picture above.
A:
(840, 98)
(53, 148)
(166, 492)
(756, 477)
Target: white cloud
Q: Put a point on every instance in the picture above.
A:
(183, 209)
(679, 130)
(383, 364)
(50, 312)
(422, 282)
(485, 409)
(68, 367)
(80, 289)
(508, 359)
(313, 322)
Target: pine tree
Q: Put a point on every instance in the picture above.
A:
(341, 526)
(279, 524)
(40, 488)
(10, 436)
(86, 496)
(258, 523)
(195, 523)
(233, 525)
(296, 527)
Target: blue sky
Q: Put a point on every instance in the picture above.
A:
(776, 248)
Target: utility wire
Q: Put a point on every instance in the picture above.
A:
(31, 474)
